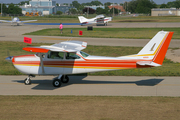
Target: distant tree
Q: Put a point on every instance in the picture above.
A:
(177, 3)
(107, 4)
(76, 4)
(86, 4)
(17, 10)
(96, 2)
(4, 8)
(57, 4)
(102, 11)
(59, 13)
(23, 2)
(171, 4)
(73, 11)
(164, 6)
(115, 11)
(140, 6)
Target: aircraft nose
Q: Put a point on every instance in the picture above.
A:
(9, 59)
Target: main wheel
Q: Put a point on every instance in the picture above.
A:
(56, 83)
(27, 81)
(65, 79)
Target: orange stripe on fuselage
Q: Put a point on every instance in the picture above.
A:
(85, 64)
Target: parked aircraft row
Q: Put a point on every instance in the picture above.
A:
(99, 19)
(66, 58)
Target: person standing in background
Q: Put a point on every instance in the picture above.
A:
(61, 27)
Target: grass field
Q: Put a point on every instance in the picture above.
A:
(89, 108)
(133, 33)
(116, 19)
(15, 48)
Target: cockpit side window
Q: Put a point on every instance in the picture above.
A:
(72, 56)
(84, 54)
(55, 55)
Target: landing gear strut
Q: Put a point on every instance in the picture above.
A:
(61, 79)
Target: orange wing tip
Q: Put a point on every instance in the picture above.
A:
(34, 49)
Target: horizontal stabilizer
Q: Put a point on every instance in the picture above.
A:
(149, 63)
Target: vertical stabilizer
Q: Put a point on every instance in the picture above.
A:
(157, 47)
(82, 19)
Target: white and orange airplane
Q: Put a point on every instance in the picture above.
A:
(66, 58)
(99, 19)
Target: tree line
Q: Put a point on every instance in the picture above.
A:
(11, 9)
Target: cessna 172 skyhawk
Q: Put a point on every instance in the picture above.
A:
(66, 58)
(96, 20)
(17, 20)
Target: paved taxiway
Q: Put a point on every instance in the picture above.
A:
(15, 33)
(93, 85)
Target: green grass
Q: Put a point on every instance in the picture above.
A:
(116, 19)
(89, 108)
(133, 33)
(15, 48)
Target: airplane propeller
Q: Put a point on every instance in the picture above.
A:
(9, 58)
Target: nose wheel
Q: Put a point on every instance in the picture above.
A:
(27, 81)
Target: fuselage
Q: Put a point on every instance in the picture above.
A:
(31, 64)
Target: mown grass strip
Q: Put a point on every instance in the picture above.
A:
(133, 33)
(168, 68)
(89, 108)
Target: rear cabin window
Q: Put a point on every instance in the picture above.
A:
(72, 56)
(55, 55)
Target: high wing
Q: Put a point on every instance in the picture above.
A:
(67, 46)
(100, 16)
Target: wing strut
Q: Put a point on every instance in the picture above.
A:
(42, 65)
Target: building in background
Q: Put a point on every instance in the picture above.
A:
(165, 12)
(63, 8)
(43, 7)
(119, 7)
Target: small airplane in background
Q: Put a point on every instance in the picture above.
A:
(16, 20)
(66, 58)
(100, 19)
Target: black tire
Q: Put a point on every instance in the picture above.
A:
(27, 81)
(66, 80)
(56, 83)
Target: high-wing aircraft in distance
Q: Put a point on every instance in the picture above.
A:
(66, 58)
(100, 19)
(17, 21)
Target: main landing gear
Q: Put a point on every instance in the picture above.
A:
(56, 82)
(27, 81)
(61, 79)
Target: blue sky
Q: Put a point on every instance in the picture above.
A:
(84, 1)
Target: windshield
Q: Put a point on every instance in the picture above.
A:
(84, 54)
